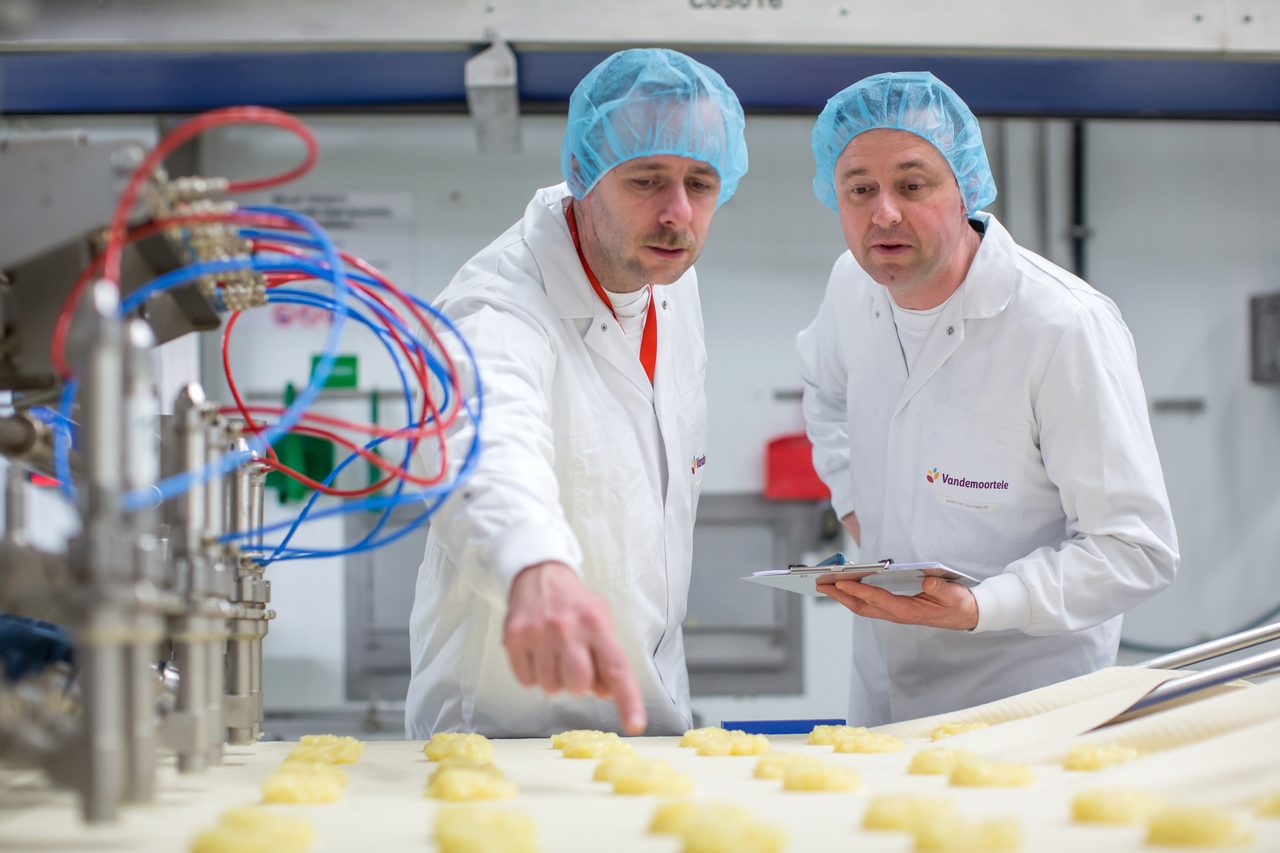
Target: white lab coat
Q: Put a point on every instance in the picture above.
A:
(1026, 400)
(561, 477)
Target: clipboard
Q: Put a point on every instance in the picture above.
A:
(898, 578)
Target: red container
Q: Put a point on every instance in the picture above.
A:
(788, 470)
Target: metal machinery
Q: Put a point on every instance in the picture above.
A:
(134, 587)
(159, 601)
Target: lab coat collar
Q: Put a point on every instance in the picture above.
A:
(988, 286)
(547, 235)
(985, 292)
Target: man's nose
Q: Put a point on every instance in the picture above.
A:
(885, 213)
(676, 211)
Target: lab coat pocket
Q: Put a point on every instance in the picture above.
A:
(970, 475)
(611, 507)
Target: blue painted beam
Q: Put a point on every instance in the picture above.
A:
(156, 82)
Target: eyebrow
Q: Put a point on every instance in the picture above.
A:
(905, 166)
(703, 171)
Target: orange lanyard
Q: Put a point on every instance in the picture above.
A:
(648, 337)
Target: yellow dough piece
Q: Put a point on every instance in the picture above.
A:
(655, 777)
(622, 764)
(589, 743)
(1198, 826)
(460, 783)
(312, 769)
(828, 735)
(693, 737)
(937, 762)
(1088, 757)
(980, 773)
(903, 811)
(1269, 806)
(671, 818)
(948, 729)
(563, 739)
(299, 782)
(733, 743)
(1114, 806)
(720, 742)
(869, 742)
(327, 749)
(772, 766)
(716, 828)
(458, 745)
(819, 776)
(952, 834)
(255, 830)
(710, 834)
(597, 749)
(474, 829)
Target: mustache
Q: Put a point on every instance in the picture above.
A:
(667, 239)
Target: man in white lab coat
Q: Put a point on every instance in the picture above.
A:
(557, 577)
(972, 404)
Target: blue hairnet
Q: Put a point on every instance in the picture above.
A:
(913, 101)
(643, 102)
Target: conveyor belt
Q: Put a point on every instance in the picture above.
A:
(384, 809)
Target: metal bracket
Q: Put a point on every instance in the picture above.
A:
(492, 98)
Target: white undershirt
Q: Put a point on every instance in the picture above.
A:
(914, 327)
(631, 309)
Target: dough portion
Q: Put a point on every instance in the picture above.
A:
(946, 730)
(980, 773)
(650, 776)
(869, 742)
(903, 812)
(1199, 826)
(476, 829)
(1269, 806)
(774, 765)
(304, 783)
(457, 781)
(589, 743)
(937, 762)
(722, 742)
(952, 834)
(1090, 757)
(472, 747)
(716, 828)
(828, 735)
(255, 830)
(819, 776)
(327, 749)
(1114, 806)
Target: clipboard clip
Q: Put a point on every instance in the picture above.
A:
(837, 560)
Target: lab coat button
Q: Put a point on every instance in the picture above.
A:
(951, 330)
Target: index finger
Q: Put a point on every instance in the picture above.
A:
(614, 672)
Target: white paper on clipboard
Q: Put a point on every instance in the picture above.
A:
(898, 578)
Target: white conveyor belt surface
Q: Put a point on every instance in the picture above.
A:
(384, 809)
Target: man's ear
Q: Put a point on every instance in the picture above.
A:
(575, 169)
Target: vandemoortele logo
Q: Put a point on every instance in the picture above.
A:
(696, 463)
(933, 476)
